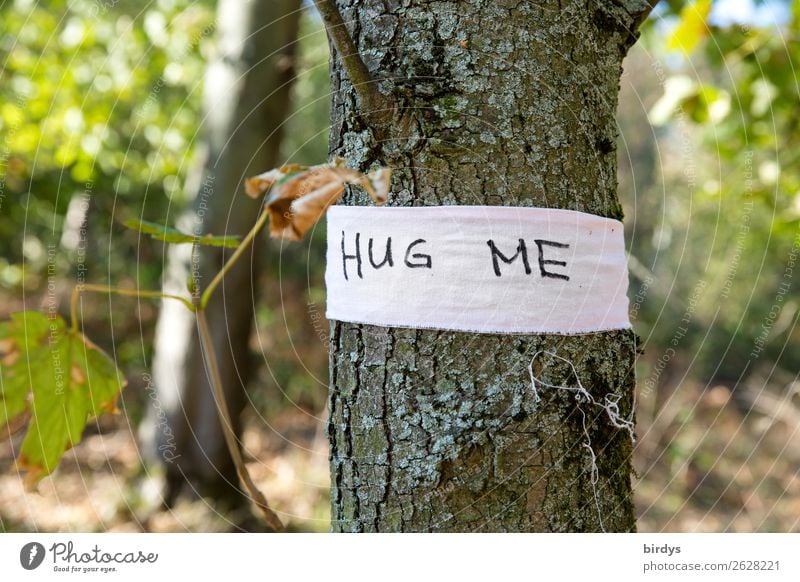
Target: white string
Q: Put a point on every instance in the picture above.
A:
(594, 476)
(610, 405)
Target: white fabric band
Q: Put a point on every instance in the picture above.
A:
(489, 269)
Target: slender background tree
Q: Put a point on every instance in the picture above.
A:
(246, 104)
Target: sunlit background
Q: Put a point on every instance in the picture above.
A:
(101, 118)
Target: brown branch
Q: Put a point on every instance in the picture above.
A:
(376, 107)
(642, 16)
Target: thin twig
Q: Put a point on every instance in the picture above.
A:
(256, 496)
(375, 105)
(79, 289)
(243, 246)
(207, 347)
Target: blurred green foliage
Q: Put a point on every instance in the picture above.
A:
(718, 228)
(100, 115)
(99, 99)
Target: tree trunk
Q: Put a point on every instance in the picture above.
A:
(246, 103)
(513, 104)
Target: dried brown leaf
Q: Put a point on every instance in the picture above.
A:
(298, 201)
(257, 186)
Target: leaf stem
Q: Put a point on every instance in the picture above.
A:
(206, 344)
(83, 287)
(243, 246)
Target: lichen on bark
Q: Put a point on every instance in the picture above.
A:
(511, 103)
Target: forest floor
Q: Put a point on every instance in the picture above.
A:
(705, 463)
(101, 485)
(709, 460)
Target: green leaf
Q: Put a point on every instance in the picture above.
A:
(173, 235)
(691, 28)
(57, 376)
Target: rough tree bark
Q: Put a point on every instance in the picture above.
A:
(246, 102)
(501, 102)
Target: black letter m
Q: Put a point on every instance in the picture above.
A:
(496, 254)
